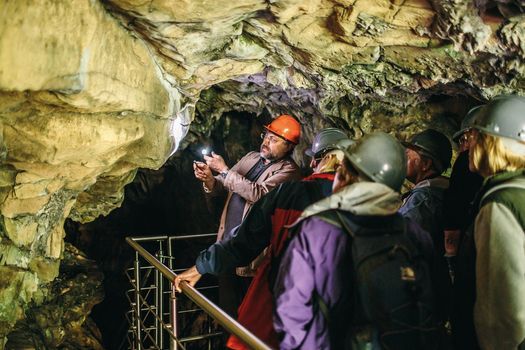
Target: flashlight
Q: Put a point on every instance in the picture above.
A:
(205, 152)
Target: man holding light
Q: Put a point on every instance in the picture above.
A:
(246, 182)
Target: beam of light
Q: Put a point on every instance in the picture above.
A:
(180, 126)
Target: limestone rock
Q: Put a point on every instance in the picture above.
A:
(78, 50)
(61, 318)
(83, 104)
(17, 287)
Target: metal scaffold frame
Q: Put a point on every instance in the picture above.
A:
(155, 315)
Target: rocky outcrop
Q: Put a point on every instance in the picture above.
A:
(90, 91)
(83, 104)
(60, 318)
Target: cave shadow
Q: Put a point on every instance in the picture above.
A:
(168, 201)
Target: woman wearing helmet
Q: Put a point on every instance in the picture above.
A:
(315, 291)
(496, 241)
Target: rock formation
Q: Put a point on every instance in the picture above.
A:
(60, 318)
(92, 90)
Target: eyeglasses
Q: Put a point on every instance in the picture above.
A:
(319, 157)
(272, 138)
(465, 138)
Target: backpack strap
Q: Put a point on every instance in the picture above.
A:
(351, 225)
(348, 226)
(323, 307)
(515, 183)
(335, 218)
(330, 216)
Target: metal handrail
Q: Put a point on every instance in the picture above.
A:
(210, 308)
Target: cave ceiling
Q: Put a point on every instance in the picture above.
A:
(90, 91)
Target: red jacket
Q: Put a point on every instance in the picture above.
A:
(285, 204)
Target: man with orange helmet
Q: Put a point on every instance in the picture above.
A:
(245, 183)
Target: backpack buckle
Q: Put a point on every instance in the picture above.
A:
(408, 274)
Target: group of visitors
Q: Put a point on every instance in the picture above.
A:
(342, 260)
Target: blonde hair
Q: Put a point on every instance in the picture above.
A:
(490, 156)
(330, 162)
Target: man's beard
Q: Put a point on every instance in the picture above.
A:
(266, 153)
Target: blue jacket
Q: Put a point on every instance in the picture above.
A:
(424, 205)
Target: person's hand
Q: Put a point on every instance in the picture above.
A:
(216, 162)
(203, 173)
(191, 275)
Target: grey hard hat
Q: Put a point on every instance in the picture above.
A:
(503, 116)
(434, 145)
(467, 122)
(344, 143)
(381, 158)
(325, 140)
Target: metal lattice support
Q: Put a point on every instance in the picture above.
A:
(159, 317)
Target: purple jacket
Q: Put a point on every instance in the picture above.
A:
(318, 265)
(317, 260)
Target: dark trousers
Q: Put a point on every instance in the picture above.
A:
(232, 289)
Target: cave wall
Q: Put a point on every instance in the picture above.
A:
(169, 200)
(92, 90)
(83, 104)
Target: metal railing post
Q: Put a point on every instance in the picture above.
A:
(160, 296)
(138, 339)
(159, 288)
(225, 320)
(173, 316)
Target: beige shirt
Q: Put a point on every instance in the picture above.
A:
(235, 182)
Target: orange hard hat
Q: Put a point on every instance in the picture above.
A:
(287, 127)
